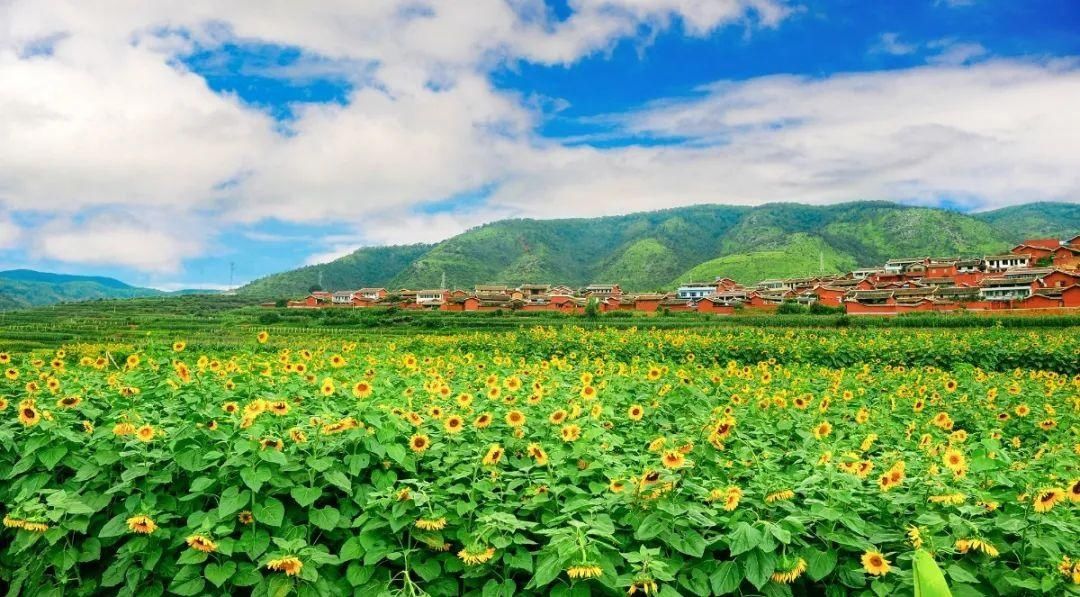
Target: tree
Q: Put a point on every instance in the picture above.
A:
(315, 288)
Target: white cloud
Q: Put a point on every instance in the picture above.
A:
(9, 233)
(953, 52)
(999, 132)
(890, 43)
(114, 240)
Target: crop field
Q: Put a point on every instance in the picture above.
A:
(549, 460)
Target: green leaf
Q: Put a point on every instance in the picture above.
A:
(653, 524)
(192, 586)
(957, 573)
(219, 573)
(233, 502)
(273, 456)
(547, 570)
(246, 575)
(271, 512)
(929, 581)
(744, 538)
(357, 574)
(52, 455)
(324, 518)
(305, 496)
(339, 480)
(759, 566)
(820, 563)
(726, 579)
(396, 453)
(251, 478)
(116, 526)
(351, 549)
(687, 541)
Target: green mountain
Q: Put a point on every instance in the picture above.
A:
(20, 288)
(800, 255)
(653, 250)
(1035, 220)
(369, 266)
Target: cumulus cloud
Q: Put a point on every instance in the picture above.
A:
(999, 132)
(152, 246)
(9, 233)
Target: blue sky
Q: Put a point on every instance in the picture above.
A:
(163, 148)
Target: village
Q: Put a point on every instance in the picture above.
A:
(1037, 274)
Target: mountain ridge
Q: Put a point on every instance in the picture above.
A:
(21, 288)
(652, 250)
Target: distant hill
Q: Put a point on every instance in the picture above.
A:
(22, 288)
(653, 250)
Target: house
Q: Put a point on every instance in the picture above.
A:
(860, 274)
(535, 292)
(695, 290)
(318, 299)
(561, 290)
(342, 297)
(712, 305)
(371, 294)
(1010, 288)
(941, 268)
(773, 285)
(648, 302)
(431, 298)
(724, 284)
(602, 290)
(484, 291)
(900, 266)
(1000, 263)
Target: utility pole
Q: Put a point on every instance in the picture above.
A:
(443, 287)
(232, 271)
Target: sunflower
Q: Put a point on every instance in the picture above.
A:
(145, 433)
(789, 570)
(966, 545)
(179, 346)
(419, 443)
(515, 418)
(822, 430)
(1046, 499)
(493, 456)
(290, 565)
(779, 496)
(431, 524)
(464, 400)
(12, 374)
(616, 486)
(245, 517)
(327, 388)
(297, 435)
(537, 454)
(141, 524)
(262, 337)
(454, 424)
(475, 555)
(1074, 491)
(88, 427)
(570, 433)
(954, 459)
(279, 408)
(874, 563)
(29, 415)
(482, 421)
(584, 570)
(200, 542)
(557, 417)
(1022, 410)
(362, 389)
(673, 459)
(635, 412)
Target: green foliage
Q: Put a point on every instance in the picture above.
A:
(1036, 220)
(798, 254)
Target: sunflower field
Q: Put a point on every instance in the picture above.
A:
(553, 461)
